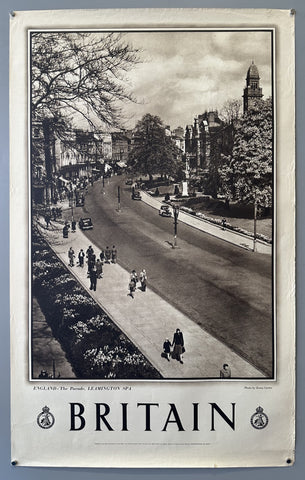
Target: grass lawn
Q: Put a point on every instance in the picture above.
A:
(237, 215)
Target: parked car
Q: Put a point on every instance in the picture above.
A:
(165, 211)
(85, 223)
(136, 195)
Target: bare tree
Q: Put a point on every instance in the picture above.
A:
(231, 111)
(81, 73)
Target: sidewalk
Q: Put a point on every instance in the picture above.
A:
(148, 319)
(215, 230)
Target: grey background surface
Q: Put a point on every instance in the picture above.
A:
(9, 472)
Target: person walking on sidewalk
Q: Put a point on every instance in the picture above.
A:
(65, 231)
(134, 276)
(89, 254)
(114, 254)
(132, 286)
(178, 344)
(47, 218)
(107, 255)
(81, 257)
(167, 349)
(93, 278)
(225, 372)
(143, 279)
(71, 256)
(102, 256)
(99, 268)
(91, 263)
(89, 251)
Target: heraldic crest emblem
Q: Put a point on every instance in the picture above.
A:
(259, 419)
(45, 419)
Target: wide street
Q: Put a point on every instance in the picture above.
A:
(225, 289)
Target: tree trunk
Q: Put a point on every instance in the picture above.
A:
(48, 158)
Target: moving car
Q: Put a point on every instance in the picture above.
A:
(129, 181)
(165, 211)
(136, 196)
(85, 223)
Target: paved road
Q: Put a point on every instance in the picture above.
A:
(224, 289)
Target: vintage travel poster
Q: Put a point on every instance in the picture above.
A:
(152, 238)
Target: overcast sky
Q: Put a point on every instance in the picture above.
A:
(182, 74)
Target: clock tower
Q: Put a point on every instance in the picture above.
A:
(252, 92)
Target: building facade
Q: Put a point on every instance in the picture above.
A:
(206, 139)
(121, 144)
(252, 91)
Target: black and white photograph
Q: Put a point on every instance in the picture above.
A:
(152, 166)
(152, 234)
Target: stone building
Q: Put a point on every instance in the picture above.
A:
(206, 139)
(252, 91)
(78, 154)
(121, 144)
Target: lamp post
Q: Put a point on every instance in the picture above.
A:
(176, 213)
(255, 219)
(103, 187)
(71, 203)
(119, 199)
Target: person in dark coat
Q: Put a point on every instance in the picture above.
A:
(47, 219)
(81, 257)
(102, 256)
(134, 276)
(93, 278)
(132, 287)
(99, 268)
(167, 348)
(65, 231)
(89, 254)
(91, 263)
(107, 255)
(225, 372)
(178, 344)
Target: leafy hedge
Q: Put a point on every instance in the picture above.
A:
(95, 346)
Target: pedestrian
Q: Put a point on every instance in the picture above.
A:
(54, 213)
(167, 349)
(143, 279)
(102, 256)
(225, 372)
(65, 231)
(47, 219)
(81, 257)
(91, 263)
(93, 277)
(89, 251)
(114, 254)
(73, 225)
(71, 256)
(99, 268)
(132, 287)
(178, 344)
(134, 276)
(223, 223)
(107, 255)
